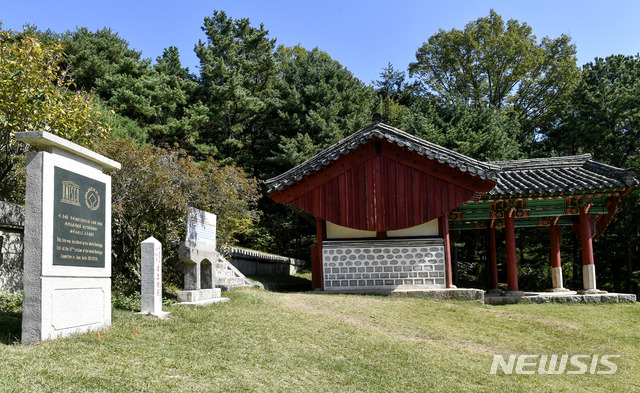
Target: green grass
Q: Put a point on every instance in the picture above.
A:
(290, 342)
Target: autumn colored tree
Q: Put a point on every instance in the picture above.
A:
(36, 93)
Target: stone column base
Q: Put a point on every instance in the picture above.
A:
(556, 277)
(592, 292)
(494, 291)
(589, 276)
(513, 293)
(558, 290)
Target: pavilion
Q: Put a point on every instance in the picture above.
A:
(385, 201)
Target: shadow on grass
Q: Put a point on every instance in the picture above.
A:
(10, 327)
(284, 283)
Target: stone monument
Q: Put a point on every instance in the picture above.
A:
(199, 255)
(67, 241)
(151, 278)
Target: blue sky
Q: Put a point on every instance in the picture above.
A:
(364, 36)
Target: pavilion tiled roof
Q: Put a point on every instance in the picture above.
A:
(393, 135)
(558, 174)
(518, 177)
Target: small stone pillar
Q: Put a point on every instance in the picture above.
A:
(151, 277)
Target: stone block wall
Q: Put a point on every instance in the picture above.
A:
(383, 264)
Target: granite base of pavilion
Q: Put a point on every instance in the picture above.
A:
(465, 294)
(479, 296)
(558, 297)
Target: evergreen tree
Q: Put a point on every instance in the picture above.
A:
(321, 103)
(237, 86)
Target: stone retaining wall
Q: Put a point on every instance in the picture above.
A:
(252, 263)
(383, 264)
(11, 246)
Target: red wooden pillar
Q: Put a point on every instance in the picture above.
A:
(492, 259)
(512, 264)
(443, 222)
(556, 263)
(586, 235)
(317, 280)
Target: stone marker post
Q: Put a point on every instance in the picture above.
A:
(67, 239)
(151, 277)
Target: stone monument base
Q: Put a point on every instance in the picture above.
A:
(160, 315)
(201, 297)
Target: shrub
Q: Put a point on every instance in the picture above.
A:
(10, 302)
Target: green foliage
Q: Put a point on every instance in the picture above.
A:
(499, 65)
(130, 302)
(237, 78)
(10, 302)
(321, 103)
(36, 94)
(133, 301)
(96, 55)
(604, 115)
(151, 194)
(391, 82)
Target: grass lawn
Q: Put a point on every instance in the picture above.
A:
(263, 341)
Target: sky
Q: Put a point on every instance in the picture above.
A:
(364, 36)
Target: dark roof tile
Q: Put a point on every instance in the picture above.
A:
(528, 176)
(558, 174)
(392, 135)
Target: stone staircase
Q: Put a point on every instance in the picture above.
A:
(226, 276)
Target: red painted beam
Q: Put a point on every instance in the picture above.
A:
(586, 235)
(554, 233)
(492, 259)
(512, 264)
(443, 226)
(317, 274)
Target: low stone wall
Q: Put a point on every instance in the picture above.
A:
(11, 246)
(383, 264)
(255, 263)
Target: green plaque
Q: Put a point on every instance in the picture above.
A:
(78, 220)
